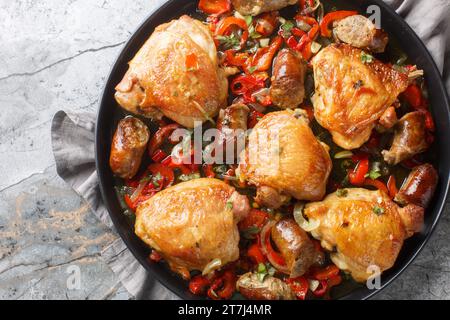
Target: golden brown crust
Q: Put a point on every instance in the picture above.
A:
(351, 95)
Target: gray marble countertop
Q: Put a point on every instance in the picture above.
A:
(55, 55)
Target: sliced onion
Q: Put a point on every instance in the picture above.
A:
(315, 47)
(138, 190)
(264, 232)
(212, 266)
(306, 225)
(343, 155)
(313, 284)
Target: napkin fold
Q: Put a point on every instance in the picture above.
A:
(73, 145)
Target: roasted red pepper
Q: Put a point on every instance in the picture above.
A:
(223, 287)
(358, 175)
(208, 170)
(322, 289)
(199, 285)
(255, 218)
(300, 286)
(255, 253)
(326, 273)
(159, 156)
(306, 6)
(263, 58)
(215, 7)
(413, 96)
(392, 187)
(159, 137)
(254, 118)
(236, 59)
(331, 17)
(377, 184)
(272, 255)
(224, 26)
(155, 256)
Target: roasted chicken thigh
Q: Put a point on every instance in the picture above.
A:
(353, 91)
(176, 74)
(193, 223)
(284, 159)
(363, 228)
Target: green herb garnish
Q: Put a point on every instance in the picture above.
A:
(250, 233)
(229, 42)
(265, 270)
(366, 58)
(189, 177)
(229, 205)
(287, 28)
(378, 210)
(341, 193)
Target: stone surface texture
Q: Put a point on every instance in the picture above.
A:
(55, 55)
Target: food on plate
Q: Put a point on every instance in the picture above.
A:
(284, 159)
(255, 7)
(193, 223)
(360, 32)
(128, 147)
(419, 187)
(279, 204)
(410, 138)
(288, 80)
(175, 74)
(353, 90)
(363, 229)
(251, 286)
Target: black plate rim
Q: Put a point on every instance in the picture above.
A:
(362, 294)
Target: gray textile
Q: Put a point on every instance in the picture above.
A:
(73, 144)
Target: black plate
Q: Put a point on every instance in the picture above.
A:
(109, 114)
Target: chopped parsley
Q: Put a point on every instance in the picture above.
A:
(229, 42)
(252, 69)
(189, 177)
(366, 58)
(341, 193)
(378, 210)
(373, 174)
(248, 20)
(229, 205)
(250, 233)
(287, 28)
(264, 270)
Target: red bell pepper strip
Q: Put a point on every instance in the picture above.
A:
(167, 175)
(306, 9)
(331, 17)
(159, 137)
(208, 171)
(215, 7)
(413, 96)
(133, 205)
(223, 287)
(191, 62)
(326, 273)
(225, 24)
(263, 58)
(322, 289)
(199, 285)
(300, 286)
(292, 42)
(357, 176)
(155, 256)
(312, 33)
(159, 156)
(172, 164)
(255, 253)
(272, 255)
(392, 187)
(429, 122)
(255, 218)
(254, 118)
(298, 32)
(235, 59)
(377, 184)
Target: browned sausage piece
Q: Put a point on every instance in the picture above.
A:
(128, 147)
(419, 187)
(255, 7)
(409, 138)
(271, 288)
(288, 81)
(232, 124)
(295, 246)
(360, 32)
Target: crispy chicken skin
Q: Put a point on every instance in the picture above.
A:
(365, 228)
(288, 80)
(352, 95)
(409, 138)
(128, 146)
(419, 187)
(255, 7)
(175, 74)
(283, 158)
(358, 31)
(271, 288)
(193, 223)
